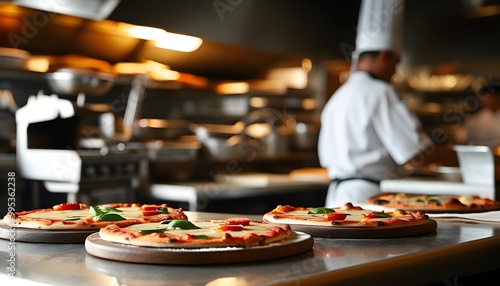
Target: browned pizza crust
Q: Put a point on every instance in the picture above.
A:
(434, 203)
(208, 235)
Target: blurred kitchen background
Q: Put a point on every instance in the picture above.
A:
(106, 112)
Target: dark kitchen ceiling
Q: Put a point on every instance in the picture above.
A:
(241, 38)
(290, 27)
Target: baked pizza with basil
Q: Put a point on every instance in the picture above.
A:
(347, 216)
(434, 203)
(229, 232)
(78, 216)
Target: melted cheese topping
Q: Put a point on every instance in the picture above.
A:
(58, 215)
(127, 213)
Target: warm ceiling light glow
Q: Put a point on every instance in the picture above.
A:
(413, 81)
(258, 130)
(152, 122)
(155, 66)
(232, 88)
(156, 70)
(130, 68)
(11, 9)
(309, 103)
(146, 33)
(307, 65)
(433, 107)
(165, 74)
(37, 64)
(178, 42)
(293, 77)
(450, 81)
(164, 39)
(259, 102)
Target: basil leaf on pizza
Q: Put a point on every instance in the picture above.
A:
(181, 224)
(106, 213)
(73, 218)
(321, 210)
(109, 217)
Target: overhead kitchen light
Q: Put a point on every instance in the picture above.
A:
(38, 63)
(164, 39)
(232, 88)
(164, 75)
(293, 77)
(145, 33)
(155, 70)
(178, 42)
(91, 9)
(130, 68)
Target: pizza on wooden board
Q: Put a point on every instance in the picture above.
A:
(434, 203)
(77, 216)
(347, 216)
(229, 232)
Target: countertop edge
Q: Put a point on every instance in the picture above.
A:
(425, 267)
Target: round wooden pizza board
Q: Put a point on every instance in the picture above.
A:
(298, 243)
(362, 232)
(43, 236)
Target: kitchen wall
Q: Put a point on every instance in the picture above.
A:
(453, 33)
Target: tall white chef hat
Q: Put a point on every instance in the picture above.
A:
(380, 27)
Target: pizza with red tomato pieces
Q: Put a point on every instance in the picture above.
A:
(347, 216)
(77, 216)
(230, 232)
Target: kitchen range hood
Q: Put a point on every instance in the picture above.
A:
(89, 9)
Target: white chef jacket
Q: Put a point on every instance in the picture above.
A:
(366, 131)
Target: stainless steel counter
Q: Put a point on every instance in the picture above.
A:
(455, 250)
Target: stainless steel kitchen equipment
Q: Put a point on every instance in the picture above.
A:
(305, 136)
(150, 129)
(479, 167)
(73, 81)
(477, 170)
(48, 151)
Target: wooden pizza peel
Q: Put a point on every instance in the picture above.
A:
(363, 232)
(298, 243)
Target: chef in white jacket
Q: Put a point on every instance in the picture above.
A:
(367, 133)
